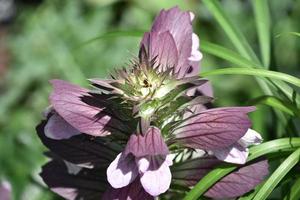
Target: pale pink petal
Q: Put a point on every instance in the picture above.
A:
(121, 171)
(57, 128)
(233, 154)
(250, 138)
(157, 181)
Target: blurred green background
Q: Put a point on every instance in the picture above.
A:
(43, 39)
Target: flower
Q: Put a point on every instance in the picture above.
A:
(134, 124)
(5, 190)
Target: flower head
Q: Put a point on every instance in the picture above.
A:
(134, 124)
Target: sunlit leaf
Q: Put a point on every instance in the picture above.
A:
(262, 19)
(234, 34)
(255, 72)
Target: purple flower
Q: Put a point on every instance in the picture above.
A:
(5, 191)
(133, 125)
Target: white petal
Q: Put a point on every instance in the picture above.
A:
(121, 171)
(196, 55)
(157, 181)
(233, 154)
(192, 16)
(251, 137)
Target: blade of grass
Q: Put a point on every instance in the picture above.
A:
(226, 54)
(256, 151)
(288, 33)
(262, 20)
(112, 34)
(236, 37)
(294, 193)
(276, 103)
(278, 175)
(231, 56)
(254, 72)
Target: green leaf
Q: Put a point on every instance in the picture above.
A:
(276, 103)
(288, 33)
(255, 72)
(113, 34)
(226, 54)
(262, 19)
(238, 60)
(256, 151)
(294, 193)
(234, 34)
(278, 175)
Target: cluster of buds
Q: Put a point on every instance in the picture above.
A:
(147, 130)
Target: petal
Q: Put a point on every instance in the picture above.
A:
(189, 172)
(5, 191)
(122, 171)
(214, 128)
(178, 23)
(153, 162)
(152, 143)
(233, 154)
(131, 192)
(196, 55)
(57, 128)
(162, 48)
(156, 182)
(80, 109)
(250, 138)
(83, 150)
(84, 184)
(239, 182)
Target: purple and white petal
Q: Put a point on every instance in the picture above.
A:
(131, 192)
(233, 154)
(57, 128)
(251, 137)
(214, 128)
(89, 118)
(239, 182)
(122, 171)
(152, 143)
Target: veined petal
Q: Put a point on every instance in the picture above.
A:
(189, 172)
(89, 116)
(161, 47)
(157, 181)
(131, 192)
(233, 154)
(239, 182)
(82, 150)
(152, 143)
(214, 128)
(57, 128)
(250, 138)
(122, 171)
(179, 24)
